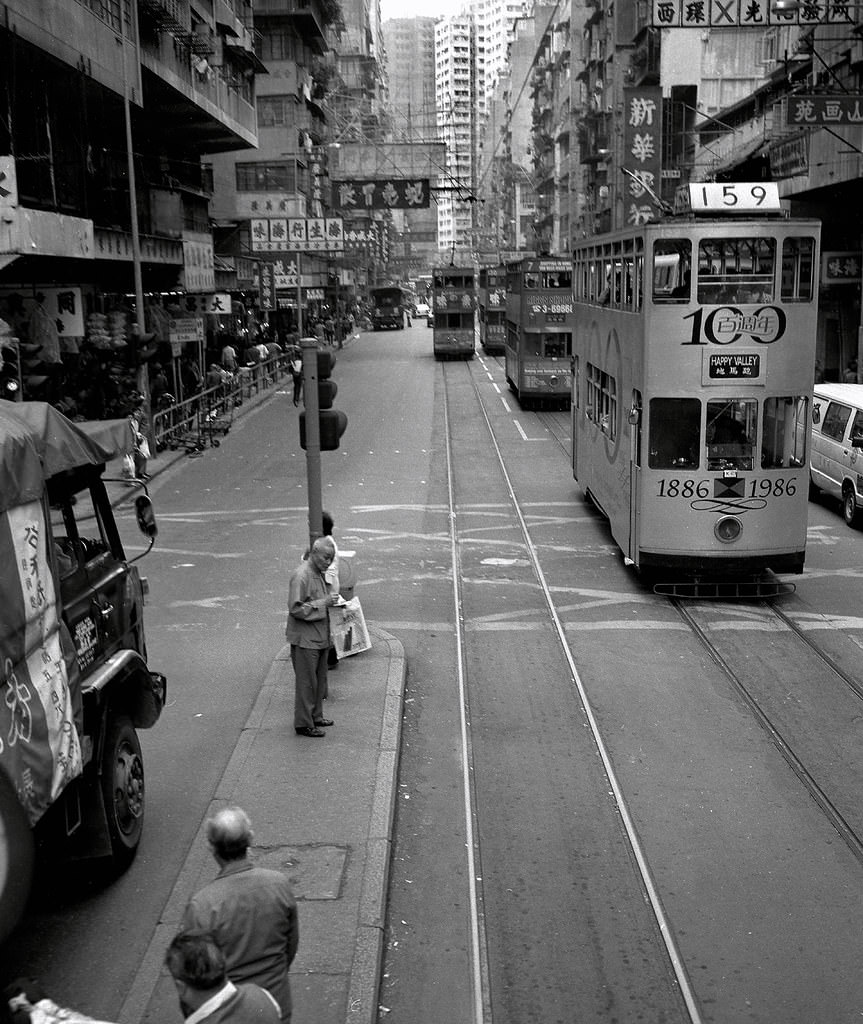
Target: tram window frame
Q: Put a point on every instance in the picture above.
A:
(674, 433)
(784, 432)
(797, 269)
(736, 269)
(601, 400)
(734, 447)
(678, 287)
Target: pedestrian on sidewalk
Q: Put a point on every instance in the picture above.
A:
(297, 374)
(308, 632)
(249, 911)
(197, 966)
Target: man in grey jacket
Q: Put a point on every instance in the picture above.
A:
(250, 912)
(308, 632)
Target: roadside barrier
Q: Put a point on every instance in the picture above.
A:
(208, 415)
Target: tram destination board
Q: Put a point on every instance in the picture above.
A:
(728, 366)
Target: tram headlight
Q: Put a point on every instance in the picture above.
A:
(728, 529)
(554, 380)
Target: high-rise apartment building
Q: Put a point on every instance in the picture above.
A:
(410, 61)
(456, 110)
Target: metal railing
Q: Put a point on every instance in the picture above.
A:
(204, 417)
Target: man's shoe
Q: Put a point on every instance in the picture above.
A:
(324, 723)
(306, 731)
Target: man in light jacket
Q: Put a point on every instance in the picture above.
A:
(308, 632)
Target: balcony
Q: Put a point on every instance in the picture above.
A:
(307, 15)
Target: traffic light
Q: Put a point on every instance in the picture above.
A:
(332, 423)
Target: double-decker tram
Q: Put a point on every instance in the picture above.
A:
(692, 377)
(539, 328)
(454, 309)
(492, 309)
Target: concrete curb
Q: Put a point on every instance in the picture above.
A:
(362, 1007)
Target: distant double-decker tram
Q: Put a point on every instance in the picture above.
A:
(492, 309)
(454, 308)
(539, 330)
(692, 381)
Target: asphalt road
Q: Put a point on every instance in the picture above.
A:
(556, 911)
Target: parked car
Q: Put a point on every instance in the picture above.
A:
(836, 451)
(422, 309)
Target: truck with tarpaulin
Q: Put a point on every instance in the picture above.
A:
(75, 684)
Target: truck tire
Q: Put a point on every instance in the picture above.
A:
(123, 789)
(850, 512)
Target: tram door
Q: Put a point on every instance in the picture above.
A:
(634, 418)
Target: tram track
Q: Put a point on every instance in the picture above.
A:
(780, 682)
(830, 792)
(637, 855)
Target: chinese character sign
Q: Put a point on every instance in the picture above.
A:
(815, 111)
(390, 194)
(297, 234)
(748, 13)
(841, 267)
(642, 152)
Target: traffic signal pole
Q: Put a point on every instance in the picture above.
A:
(309, 347)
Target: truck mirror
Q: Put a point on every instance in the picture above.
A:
(146, 516)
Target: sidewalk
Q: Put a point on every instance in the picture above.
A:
(322, 812)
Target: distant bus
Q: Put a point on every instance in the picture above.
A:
(388, 305)
(539, 328)
(492, 309)
(454, 309)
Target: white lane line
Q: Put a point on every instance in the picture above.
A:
(496, 388)
(506, 404)
(519, 429)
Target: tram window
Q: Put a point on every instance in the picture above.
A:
(558, 345)
(674, 433)
(553, 279)
(532, 343)
(785, 427)
(672, 269)
(730, 435)
(601, 400)
(736, 269)
(798, 269)
(531, 279)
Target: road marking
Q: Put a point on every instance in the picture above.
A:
(506, 404)
(496, 388)
(519, 429)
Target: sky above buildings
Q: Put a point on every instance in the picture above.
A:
(418, 8)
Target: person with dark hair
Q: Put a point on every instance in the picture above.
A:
(249, 911)
(197, 966)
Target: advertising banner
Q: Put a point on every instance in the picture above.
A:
(381, 194)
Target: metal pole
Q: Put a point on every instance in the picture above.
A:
(142, 376)
(300, 296)
(309, 348)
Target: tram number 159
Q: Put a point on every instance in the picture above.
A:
(736, 488)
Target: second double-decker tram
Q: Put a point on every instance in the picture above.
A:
(539, 329)
(492, 309)
(454, 309)
(693, 372)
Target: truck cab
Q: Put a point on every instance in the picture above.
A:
(73, 653)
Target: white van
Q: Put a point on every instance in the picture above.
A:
(836, 455)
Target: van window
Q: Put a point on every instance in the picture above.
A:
(783, 444)
(835, 421)
(857, 425)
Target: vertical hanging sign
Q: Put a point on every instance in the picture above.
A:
(642, 152)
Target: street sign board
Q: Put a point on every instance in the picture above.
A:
(297, 234)
(748, 13)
